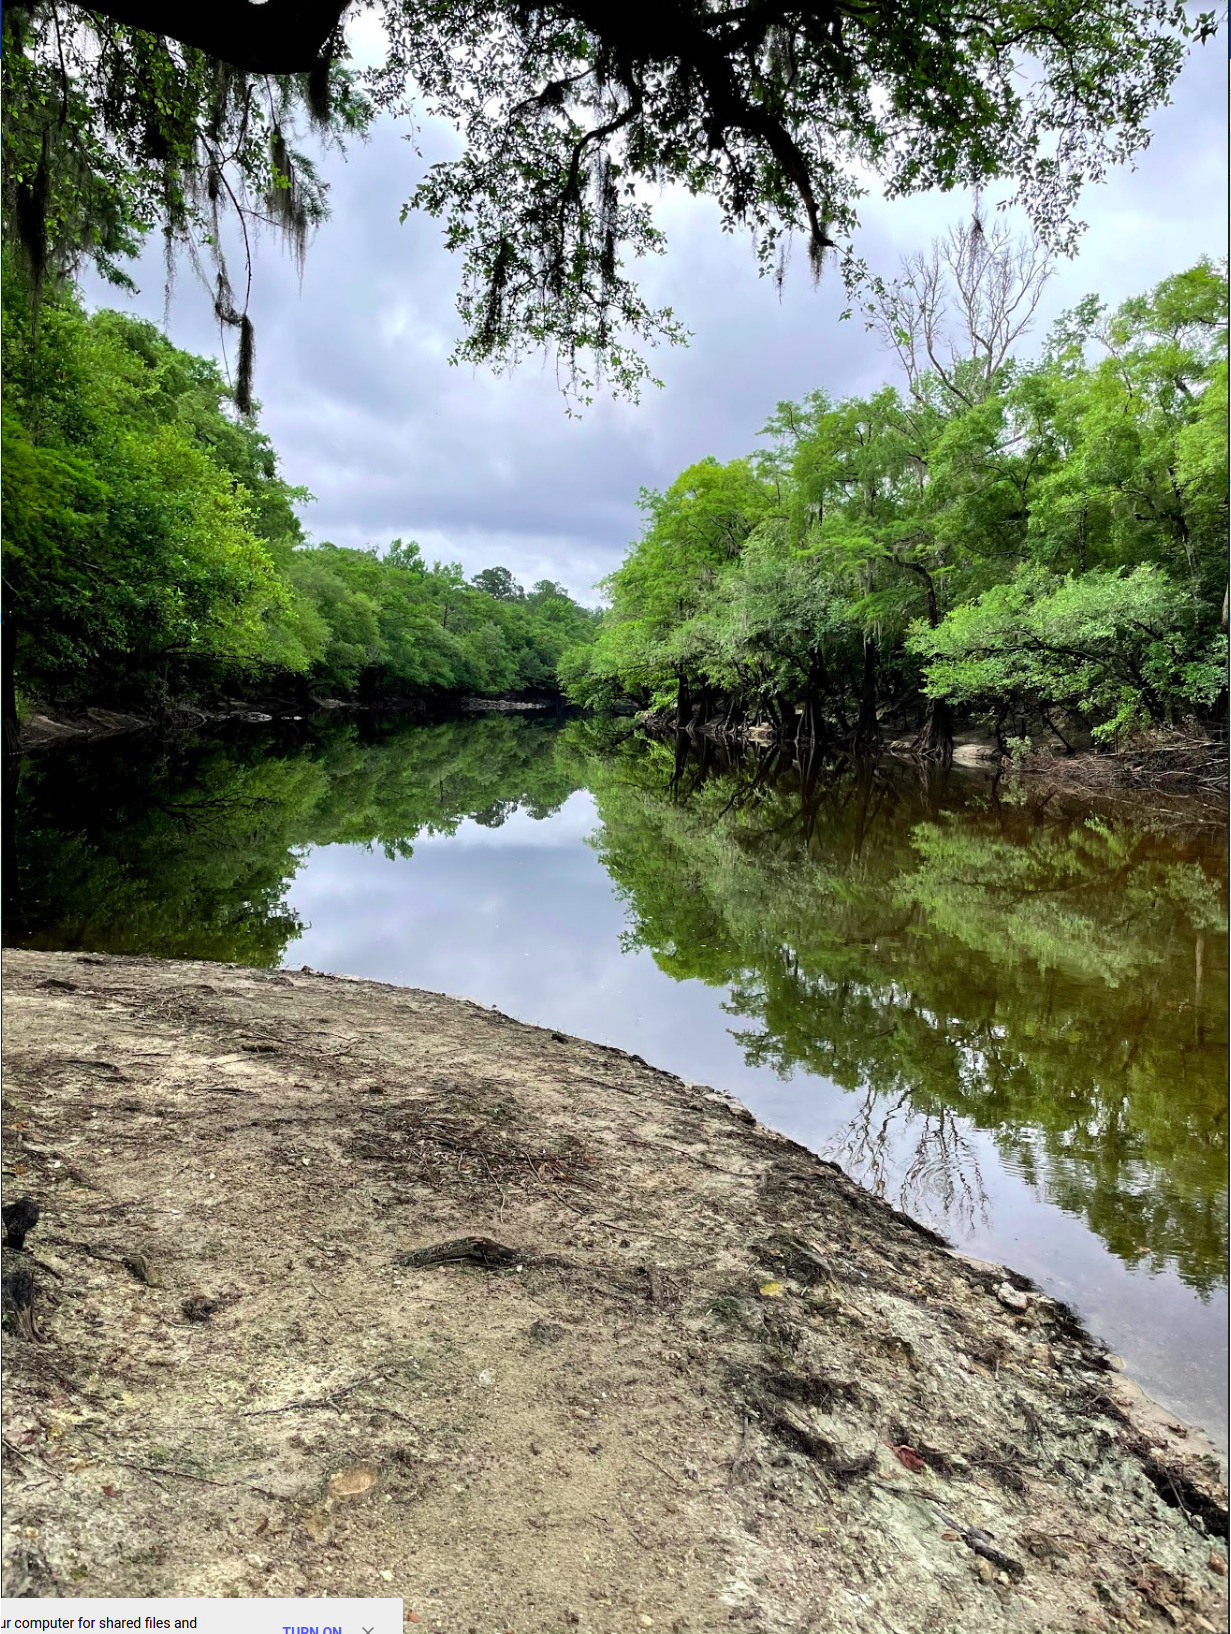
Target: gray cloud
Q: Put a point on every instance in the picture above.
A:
(358, 394)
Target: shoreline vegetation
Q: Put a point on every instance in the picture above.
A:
(1187, 766)
(1034, 548)
(1027, 558)
(512, 1286)
(42, 726)
(155, 563)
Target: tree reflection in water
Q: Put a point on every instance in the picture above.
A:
(962, 956)
(941, 1176)
(971, 962)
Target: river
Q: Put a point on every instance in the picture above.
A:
(1003, 1010)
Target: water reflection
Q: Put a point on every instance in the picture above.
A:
(1005, 1012)
(941, 1175)
(947, 949)
(187, 848)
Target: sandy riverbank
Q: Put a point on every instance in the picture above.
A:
(712, 1383)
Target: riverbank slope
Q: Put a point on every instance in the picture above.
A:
(341, 1288)
(44, 726)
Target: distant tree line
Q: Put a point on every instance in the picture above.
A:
(152, 551)
(1042, 546)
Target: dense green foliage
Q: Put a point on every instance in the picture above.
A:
(1042, 545)
(128, 116)
(950, 957)
(152, 551)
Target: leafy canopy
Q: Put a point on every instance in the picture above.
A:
(1044, 541)
(134, 115)
(152, 550)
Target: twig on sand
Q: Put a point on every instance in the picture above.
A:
(161, 1469)
(156, 1470)
(740, 1452)
(310, 1403)
(654, 1464)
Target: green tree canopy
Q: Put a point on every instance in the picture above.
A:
(153, 553)
(135, 115)
(1044, 543)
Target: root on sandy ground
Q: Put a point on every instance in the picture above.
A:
(1184, 765)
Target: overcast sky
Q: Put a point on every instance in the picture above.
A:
(359, 397)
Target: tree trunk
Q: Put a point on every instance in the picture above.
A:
(683, 704)
(934, 740)
(867, 727)
(1047, 721)
(8, 681)
(807, 719)
(683, 748)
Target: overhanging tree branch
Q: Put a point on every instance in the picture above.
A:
(278, 37)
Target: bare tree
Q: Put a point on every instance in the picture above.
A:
(957, 309)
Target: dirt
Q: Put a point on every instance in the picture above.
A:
(44, 727)
(668, 1371)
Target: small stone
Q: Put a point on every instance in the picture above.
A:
(984, 1570)
(316, 1524)
(349, 1483)
(645, 1622)
(1012, 1298)
(1217, 1564)
(386, 1575)
(486, 1378)
(1043, 1546)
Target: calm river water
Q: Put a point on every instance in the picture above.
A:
(1006, 1013)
